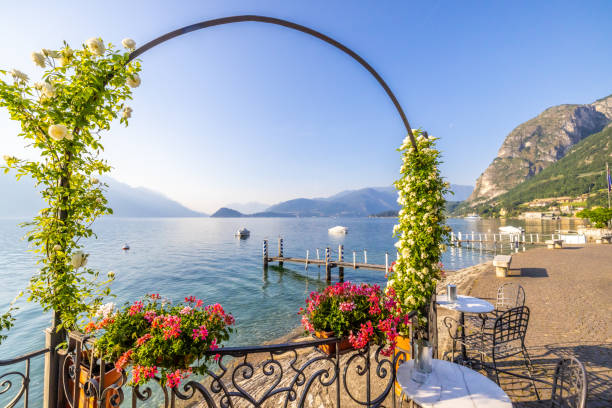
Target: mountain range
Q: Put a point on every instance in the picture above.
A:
(534, 145)
(20, 199)
(350, 203)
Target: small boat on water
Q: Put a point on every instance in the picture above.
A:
(509, 229)
(242, 233)
(338, 230)
(126, 247)
(472, 217)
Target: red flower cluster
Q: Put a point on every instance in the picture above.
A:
(353, 302)
(170, 325)
(174, 379)
(136, 308)
(200, 333)
(141, 372)
(363, 335)
(143, 339)
(161, 339)
(123, 360)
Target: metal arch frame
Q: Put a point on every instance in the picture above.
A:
(288, 24)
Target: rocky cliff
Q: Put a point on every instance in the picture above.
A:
(535, 144)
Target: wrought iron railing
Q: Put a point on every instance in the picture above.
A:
(22, 377)
(290, 374)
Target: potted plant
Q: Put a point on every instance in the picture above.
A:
(357, 314)
(156, 337)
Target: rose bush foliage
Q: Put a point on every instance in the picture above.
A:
(62, 117)
(421, 231)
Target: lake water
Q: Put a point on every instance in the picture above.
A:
(178, 257)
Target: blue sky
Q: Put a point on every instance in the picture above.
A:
(253, 112)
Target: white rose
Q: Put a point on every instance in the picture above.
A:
(38, 59)
(57, 247)
(105, 310)
(96, 46)
(99, 200)
(78, 259)
(127, 113)
(50, 53)
(128, 43)
(94, 181)
(133, 81)
(58, 132)
(48, 90)
(19, 75)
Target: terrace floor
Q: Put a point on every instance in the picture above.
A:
(569, 294)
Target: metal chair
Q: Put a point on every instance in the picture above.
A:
(506, 339)
(509, 295)
(569, 387)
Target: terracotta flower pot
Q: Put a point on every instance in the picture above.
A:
(403, 345)
(111, 376)
(330, 349)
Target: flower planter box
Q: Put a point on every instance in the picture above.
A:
(330, 349)
(111, 376)
(403, 346)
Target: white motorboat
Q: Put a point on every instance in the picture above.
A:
(126, 247)
(338, 230)
(509, 229)
(472, 217)
(242, 233)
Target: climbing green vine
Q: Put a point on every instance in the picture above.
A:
(62, 117)
(421, 231)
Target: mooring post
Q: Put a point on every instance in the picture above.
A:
(327, 265)
(307, 253)
(265, 253)
(318, 258)
(354, 261)
(341, 259)
(386, 264)
(365, 256)
(280, 251)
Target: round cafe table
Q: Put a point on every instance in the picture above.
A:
(451, 385)
(464, 304)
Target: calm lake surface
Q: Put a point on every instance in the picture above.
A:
(178, 257)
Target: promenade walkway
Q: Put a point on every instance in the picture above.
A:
(569, 294)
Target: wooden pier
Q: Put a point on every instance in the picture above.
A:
(327, 261)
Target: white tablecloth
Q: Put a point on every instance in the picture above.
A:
(465, 304)
(450, 385)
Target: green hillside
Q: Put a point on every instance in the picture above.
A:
(581, 171)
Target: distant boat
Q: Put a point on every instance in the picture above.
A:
(242, 233)
(472, 217)
(126, 247)
(338, 230)
(509, 229)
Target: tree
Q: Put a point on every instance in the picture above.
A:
(62, 118)
(599, 216)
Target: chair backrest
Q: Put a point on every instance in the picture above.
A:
(510, 295)
(511, 325)
(570, 384)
